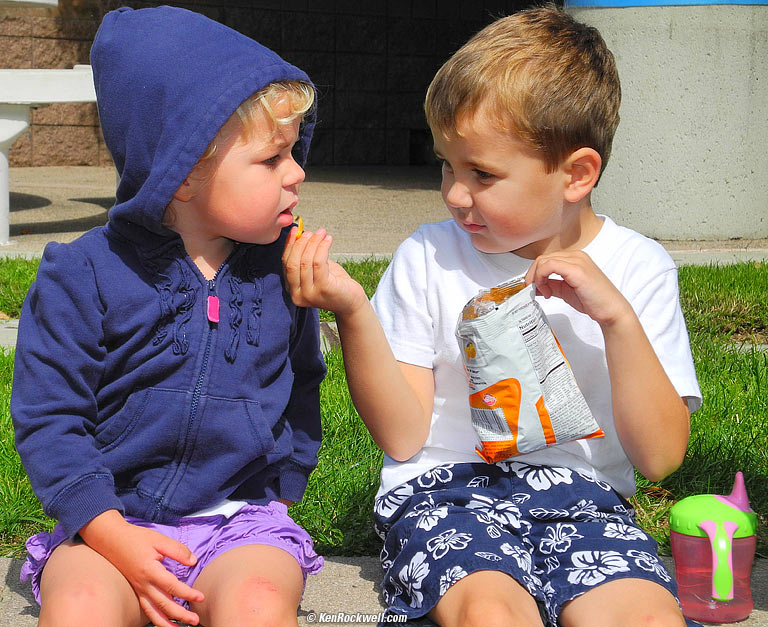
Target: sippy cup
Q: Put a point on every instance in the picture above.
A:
(713, 545)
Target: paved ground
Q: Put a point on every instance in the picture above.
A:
(369, 211)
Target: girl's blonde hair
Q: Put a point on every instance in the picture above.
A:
(541, 76)
(300, 95)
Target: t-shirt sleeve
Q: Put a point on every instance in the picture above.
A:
(401, 304)
(657, 304)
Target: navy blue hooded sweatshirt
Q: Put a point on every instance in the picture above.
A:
(125, 395)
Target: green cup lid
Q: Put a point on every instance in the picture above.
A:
(686, 514)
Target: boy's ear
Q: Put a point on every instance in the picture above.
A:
(582, 168)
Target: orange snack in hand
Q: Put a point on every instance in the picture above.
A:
(300, 224)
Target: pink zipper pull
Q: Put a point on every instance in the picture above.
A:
(213, 308)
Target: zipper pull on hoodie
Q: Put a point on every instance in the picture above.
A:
(212, 304)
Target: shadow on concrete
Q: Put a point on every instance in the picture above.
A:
(104, 203)
(24, 591)
(59, 226)
(426, 177)
(20, 202)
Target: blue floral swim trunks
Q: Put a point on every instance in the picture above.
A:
(555, 531)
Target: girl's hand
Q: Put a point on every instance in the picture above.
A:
(581, 284)
(138, 553)
(314, 280)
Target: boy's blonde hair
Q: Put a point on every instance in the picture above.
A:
(541, 75)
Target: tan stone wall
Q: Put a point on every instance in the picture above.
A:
(371, 61)
(33, 37)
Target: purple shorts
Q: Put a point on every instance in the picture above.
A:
(206, 536)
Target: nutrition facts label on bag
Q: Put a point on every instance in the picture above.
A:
(562, 396)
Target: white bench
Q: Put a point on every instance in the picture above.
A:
(20, 92)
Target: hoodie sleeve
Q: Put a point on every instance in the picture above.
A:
(303, 410)
(58, 367)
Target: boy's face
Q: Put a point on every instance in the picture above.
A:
(254, 187)
(498, 190)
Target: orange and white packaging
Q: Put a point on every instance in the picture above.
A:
(523, 395)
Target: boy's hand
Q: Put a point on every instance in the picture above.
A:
(138, 553)
(316, 281)
(581, 284)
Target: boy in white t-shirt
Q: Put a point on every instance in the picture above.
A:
(523, 118)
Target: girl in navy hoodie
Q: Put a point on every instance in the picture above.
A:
(166, 389)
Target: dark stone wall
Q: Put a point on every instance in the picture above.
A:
(371, 61)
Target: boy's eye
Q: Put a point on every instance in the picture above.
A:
(483, 175)
(271, 160)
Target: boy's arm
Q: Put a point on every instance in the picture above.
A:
(651, 419)
(393, 399)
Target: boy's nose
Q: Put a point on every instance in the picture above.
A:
(457, 195)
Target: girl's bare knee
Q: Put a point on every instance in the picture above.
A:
(82, 606)
(255, 601)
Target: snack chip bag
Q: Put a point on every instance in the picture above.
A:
(523, 395)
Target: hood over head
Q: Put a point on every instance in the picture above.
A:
(166, 80)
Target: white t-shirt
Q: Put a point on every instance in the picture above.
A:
(437, 270)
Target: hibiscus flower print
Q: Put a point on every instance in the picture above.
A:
(493, 511)
(621, 531)
(522, 557)
(587, 510)
(388, 503)
(650, 563)
(558, 538)
(430, 518)
(542, 477)
(449, 539)
(411, 577)
(439, 474)
(417, 509)
(593, 567)
(451, 576)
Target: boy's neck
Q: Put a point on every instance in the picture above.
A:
(580, 226)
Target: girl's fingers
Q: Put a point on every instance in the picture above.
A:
(162, 609)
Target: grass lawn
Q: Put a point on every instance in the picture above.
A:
(727, 315)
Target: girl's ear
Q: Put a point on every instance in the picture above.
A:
(582, 168)
(186, 191)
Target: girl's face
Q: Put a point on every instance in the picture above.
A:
(498, 190)
(254, 184)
